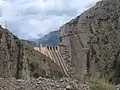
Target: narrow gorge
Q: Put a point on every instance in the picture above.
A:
(87, 47)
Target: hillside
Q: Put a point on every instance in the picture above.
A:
(92, 42)
(49, 39)
(19, 60)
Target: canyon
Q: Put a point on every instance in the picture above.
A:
(88, 47)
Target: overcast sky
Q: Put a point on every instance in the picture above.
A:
(31, 19)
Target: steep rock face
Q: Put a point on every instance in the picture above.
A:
(20, 61)
(93, 41)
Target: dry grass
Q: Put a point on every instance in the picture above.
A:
(100, 84)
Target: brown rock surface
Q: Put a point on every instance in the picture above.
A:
(21, 61)
(93, 41)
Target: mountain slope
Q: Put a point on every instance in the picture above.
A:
(93, 41)
(49, 39)
(18, 60)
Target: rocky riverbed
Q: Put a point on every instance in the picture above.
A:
(42, 84)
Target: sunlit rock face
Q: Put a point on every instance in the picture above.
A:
(93, 41)
(18, 60)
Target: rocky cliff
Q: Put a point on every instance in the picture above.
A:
(92, 41)
(20, 61)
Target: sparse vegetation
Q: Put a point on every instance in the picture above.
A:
(100, 84)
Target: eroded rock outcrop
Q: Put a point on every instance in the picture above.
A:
(20, 61)
(92, 41)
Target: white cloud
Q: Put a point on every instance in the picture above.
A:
(31, 19)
